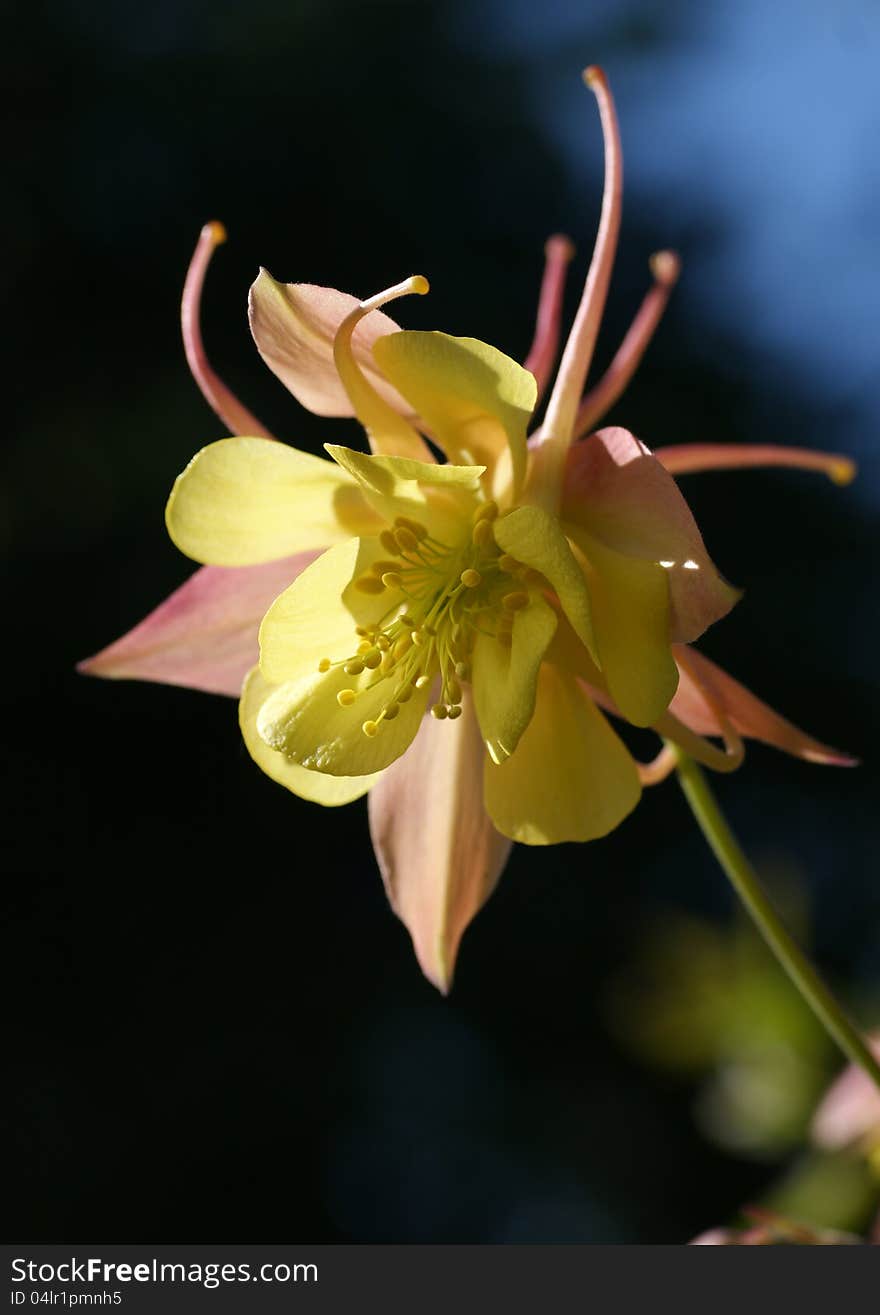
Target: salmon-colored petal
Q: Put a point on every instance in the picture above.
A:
(850, 1109)
(204, 635)
(294, 325)
(439, 854)
(617, 490)
(702, 684)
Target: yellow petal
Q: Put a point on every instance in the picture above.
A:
(439, 495)
(505, 679)
(630, 604)
(304, 721)
(439, 854)
(316, 617)
(475, 400)
(571, 777)
(535, 538)
(317, 787)
(246, 500)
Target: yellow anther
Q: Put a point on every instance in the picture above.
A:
(368, 584)
(405, 539)
(454, 712)
(391, 711)
(415, 527)
(359, 630)
(516, 601)
(531, 576)
(345, 698)
(406, 620)
(508, 563)
(417, 637)
(421, 681)
(482, 534)
(388, 542)
(471, 578)
(401, 646)
(453, 690)
(364, 646)
(383, 643)
(842, 471)
(429, 630)
(404, 694)
(462, 670)
(353, 667)
(372, 659)
(392, 580)
(487, 511)
(324, 665)
(379, 568)
(370, 728)
(440, 711)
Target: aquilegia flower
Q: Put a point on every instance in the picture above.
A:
(450, 634)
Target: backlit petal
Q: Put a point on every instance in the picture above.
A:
(294, 325)
(437, 494)
(630, 608)
(438, 852)
(476, 401)
(850, 1109)
(621, 494)
(304, 720)
(746, 712)
(246, 500)
(571, 778)
(533, 536)
(505, 678)
(318, 787)
(316, 617)
(204, 635)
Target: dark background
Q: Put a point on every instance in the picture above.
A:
(218, 1031)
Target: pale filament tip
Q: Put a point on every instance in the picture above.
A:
(665, 266)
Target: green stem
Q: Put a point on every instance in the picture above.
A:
(746, 884)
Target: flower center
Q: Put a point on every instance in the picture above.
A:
(452, 593)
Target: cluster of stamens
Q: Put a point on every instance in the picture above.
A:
(451, 594)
